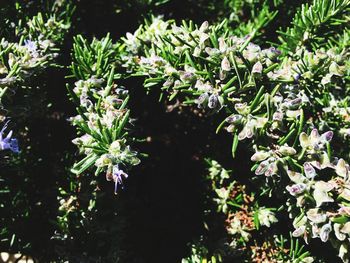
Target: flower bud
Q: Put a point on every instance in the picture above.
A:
(335, 69)
(202, 99)
(299, 231)
(304, 140)
(257, 68)
(260, 156)
(278, 116)
(272, 53)
(341, 168)
(104, 160)
(236, 119)
(204, 26)
(115, 146)
(225, 64)
(324, 232)
(287, 151)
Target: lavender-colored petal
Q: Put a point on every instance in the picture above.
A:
(296, 189)
(234, 118)
(262, 168)
(8, 143)
(327, 136)
(309, 170)
(202, 98)
(118, 175)
(314, 135)
(324, 232)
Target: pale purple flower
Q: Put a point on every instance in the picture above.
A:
(31, 46)
(294, 103)
(117, 176)
(267, 167)
(327, 136)
(278, 116)
(324, 232)
(296, 189)
(257, 68)
(309, 170)
(299, 231)
(8, 142)
(202, 99)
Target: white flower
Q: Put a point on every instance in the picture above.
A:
(340, 236)
(287, 150)
(252, 52)
(257, 68)
(342, 169)
(296, 189)
(343, 252)
(222, 45)
(320, 193)
(324, 232)
(315, 216)
(260, 156)
(299, 231)
(309, 170)
(225, 64)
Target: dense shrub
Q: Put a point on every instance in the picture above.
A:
(270, 78)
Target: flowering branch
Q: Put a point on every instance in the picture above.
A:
(272, 100)
(103, 115)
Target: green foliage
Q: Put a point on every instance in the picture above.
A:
(102, 108)
(287, 106)
(270, 98)
(102, 125)
(31, 41)
(315, 24)
(36, 49)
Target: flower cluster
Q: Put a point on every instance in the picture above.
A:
(272, 99)
(287, 104)
(35, 50)
(321, 191)
(102, 120)
(103, 124)
(211, 65)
